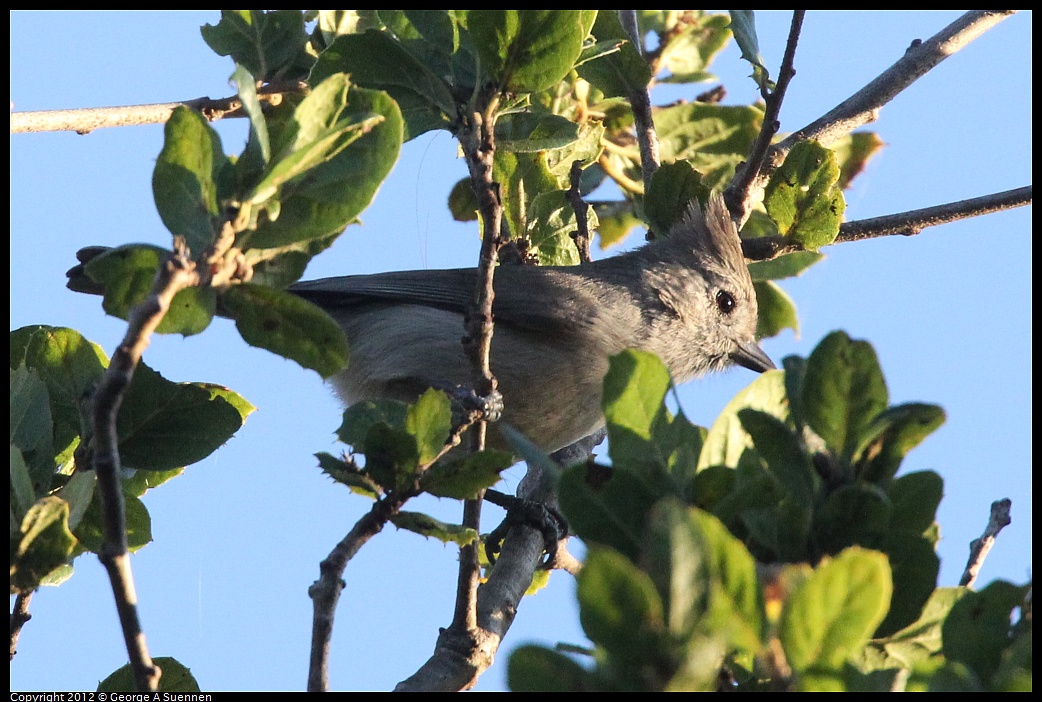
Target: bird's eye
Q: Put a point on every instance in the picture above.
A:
(725, 301)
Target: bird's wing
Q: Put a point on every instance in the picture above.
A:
(527, 297)
(445, 289)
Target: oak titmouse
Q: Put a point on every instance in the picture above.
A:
(687, 298)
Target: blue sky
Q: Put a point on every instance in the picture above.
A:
(239, 536)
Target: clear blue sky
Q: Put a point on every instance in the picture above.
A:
(239, 536)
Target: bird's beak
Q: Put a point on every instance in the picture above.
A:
(751, 356)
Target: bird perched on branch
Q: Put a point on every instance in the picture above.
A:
(686, 297)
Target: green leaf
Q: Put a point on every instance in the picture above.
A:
(287, 325)
(776, 310)
(689, 47)
(164, 425)
(361, 416)
(619, 607)
(831, 615)
(246, 87)
(375, 60)
(607, 506)
(462, 202)
(349, 474)
(843, 392)
(803, 198)
(781, 451)
(391, 457)
(857, 514)
(42, 544)
(787, 266)
(915, 497)
(31, 438)
(69, 366)
(176, 678)
(185, 179)
(618, 73)
(892, 434)
(551, 223)
(90, 531)
(915, 643)
(706, 577)
(634, 391)
(853, 153)
(915, 567)
(537, 669)
(144, 480)
(587, 149)
(727, 439)
(432, 528)
(743, 24)
(521, 178)
(675, 188)
(463, 479)
(714, 139)
(527, 50)
(22, 494)
(527, 132)
(322, 128)
(977, 630)
(430, 421)
(266, 43)
(128, 273)
(615, 224)
(318, 203)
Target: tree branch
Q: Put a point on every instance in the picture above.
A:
(997, 521)
(904, 223)
(640, 103)
(19, 616)
(86, 120)
(737, 195)
(175, 274)
(863, 106)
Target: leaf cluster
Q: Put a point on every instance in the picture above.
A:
(162, 427)
(777, 549)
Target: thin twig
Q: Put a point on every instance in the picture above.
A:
(640, 103)
(737, 193)
(581, 235)
(325, 592)
(863, 106)
(86, 120)
(175, 274)
(903, 223)
(19, 616)
(997, 520)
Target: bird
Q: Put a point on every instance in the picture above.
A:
(687, 298)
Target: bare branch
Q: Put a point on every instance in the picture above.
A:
(997, 521)
(175, 274)
(581, 235)
(737, 193)
(86, 120)
(904, 223)
(863, 106)
(325, 592)
(19, 616)
(640, 103)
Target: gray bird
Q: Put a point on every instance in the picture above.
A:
(687, 298)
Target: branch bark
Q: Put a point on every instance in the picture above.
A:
(86, 120)
(863, 106)
(907, 223)
(175, 274)
(998, 520)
